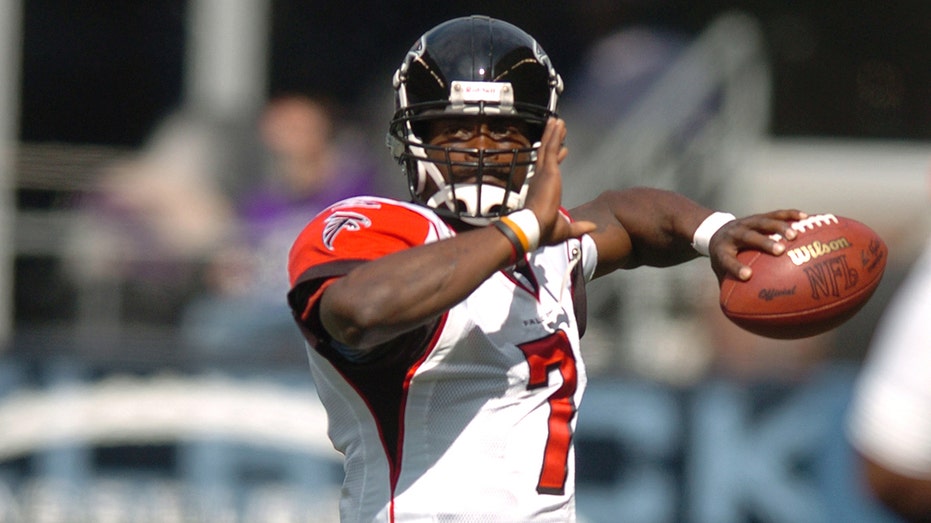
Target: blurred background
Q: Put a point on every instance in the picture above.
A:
(158, 158)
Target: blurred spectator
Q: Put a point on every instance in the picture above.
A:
(310, 160)
(890, 418)
(151, 221)
(306, 166)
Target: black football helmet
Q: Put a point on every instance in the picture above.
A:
(471, 66)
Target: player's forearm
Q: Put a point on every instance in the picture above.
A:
(642, 226)
(660, 224)
(399, 292)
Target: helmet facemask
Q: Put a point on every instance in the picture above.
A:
(508, 76)
(474, 185)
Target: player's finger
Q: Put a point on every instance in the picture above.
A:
(553, 144)
(546, 142)
(731, 265)
(764, 232)
(563, 152)
(780, 222)
(786, 214)
(577, 229)
(546, 182)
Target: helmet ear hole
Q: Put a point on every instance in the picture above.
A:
(421, 129)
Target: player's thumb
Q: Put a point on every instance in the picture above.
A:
(577, 229)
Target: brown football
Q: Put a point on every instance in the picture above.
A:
(828, 272)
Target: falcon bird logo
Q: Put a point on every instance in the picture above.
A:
(340, 221)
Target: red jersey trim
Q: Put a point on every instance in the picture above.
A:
(395, 472)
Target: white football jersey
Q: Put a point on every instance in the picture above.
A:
(470, 419)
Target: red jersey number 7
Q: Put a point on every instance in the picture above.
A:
(545, 355)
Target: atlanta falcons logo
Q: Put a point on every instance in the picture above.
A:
(342, 220)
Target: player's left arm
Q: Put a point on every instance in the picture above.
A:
(647, 226)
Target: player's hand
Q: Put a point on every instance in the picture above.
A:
(544, 195)
(752, 232)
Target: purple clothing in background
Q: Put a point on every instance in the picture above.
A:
(271, 218)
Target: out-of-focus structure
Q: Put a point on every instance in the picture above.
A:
(106, 410)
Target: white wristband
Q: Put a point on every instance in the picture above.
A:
(527, 226)
(706, 230)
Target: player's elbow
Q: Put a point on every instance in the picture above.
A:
(357, 321)
(346, 321)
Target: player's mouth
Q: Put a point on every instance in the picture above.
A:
(487, 177)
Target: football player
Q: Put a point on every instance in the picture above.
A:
(443, 333)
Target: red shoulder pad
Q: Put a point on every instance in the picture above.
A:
(356, 229)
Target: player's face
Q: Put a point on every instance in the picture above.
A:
(483, 148)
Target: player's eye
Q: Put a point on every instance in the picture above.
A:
(501, 131)
(460, 132)
(455, 131)
(510, 130)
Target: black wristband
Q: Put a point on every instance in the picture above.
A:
(512, 237)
